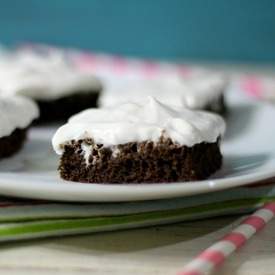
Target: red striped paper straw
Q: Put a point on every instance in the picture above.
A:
(216, 254)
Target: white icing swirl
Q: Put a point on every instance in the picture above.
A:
(16, 112)
(42, 76)
(137, 122)
(195, 91)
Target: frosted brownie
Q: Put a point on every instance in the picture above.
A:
(59, 89)
(202, 90)
(16, 115)
(134, 143)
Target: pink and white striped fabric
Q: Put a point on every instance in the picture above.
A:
(122, 66)
(216, 254)
(259, 86)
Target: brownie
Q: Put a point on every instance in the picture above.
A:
(62, 108)
(11, 144)
(140, 162)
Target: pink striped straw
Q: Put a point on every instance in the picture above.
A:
(215, 255)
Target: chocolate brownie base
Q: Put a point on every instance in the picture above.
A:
(61, 109)
(9, 145)
(147, 162)
(217, 106)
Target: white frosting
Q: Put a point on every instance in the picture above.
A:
(135, 122)
(195, 91)
(16, 112)
(42, 76)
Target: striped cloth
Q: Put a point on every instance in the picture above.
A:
(28, 219)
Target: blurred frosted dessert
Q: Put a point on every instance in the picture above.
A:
(202, 90)
(59, 89)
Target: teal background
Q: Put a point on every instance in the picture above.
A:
(236, 30)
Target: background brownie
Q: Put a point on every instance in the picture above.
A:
(64, 107)
(50, 79)
(199, 90)
(12, 143)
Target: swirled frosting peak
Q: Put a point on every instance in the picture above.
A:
(137, 122)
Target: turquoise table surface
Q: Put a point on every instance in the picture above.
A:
(199, 29)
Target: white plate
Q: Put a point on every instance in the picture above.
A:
(248, 149)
